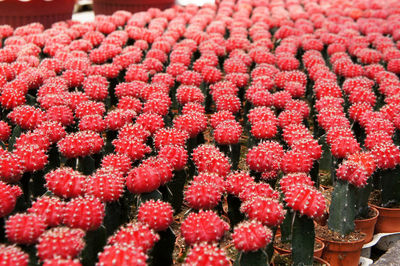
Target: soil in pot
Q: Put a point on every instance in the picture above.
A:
(367, 224)
(340, 250)
(389, 217)
(286, 248)
(286, 259)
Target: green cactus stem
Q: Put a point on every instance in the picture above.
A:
(390, 182)
(325, 162)
(117, 214)
(161, 253)
(257, 258)
(175, 186)
(86, 165)
(31, 251)
(110, 136)
(37, 184)
(154, 195)
(95, 241)
(362, 196)
(232, 152)
(234, 214)
(303, 237)
(286, 226)
(54, 159)
(342, 211)
(314, 173)
(14, 135)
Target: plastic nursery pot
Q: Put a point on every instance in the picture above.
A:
(317, 252)
(339, 253)
(17, 13)
(388, 220)
(367, 226)
(285, 259)
(108, 7)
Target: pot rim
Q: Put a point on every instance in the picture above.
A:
(372, 218)
(321, 260)
(290, 251)
(384, 208)
(360, 241)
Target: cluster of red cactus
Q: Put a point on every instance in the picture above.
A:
(155, 98)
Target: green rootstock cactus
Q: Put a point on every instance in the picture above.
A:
(342, 211)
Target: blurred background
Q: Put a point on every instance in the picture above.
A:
(83, 10)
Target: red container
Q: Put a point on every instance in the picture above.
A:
(107, 7)
(17, 13)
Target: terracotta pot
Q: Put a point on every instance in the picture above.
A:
(107, 7)
(316, 260)
(388, 220)
(317, 252)
(17, 13)
(367, 226)
(342, 253)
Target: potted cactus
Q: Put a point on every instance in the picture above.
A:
(388, 201)
(343, 243)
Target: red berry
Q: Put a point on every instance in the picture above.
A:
(80, 144)
(266, 210)
(386, 155)
(206, 254)
(265, 157)
(5, 131)
(86, 213)
(122, 255)
(11, 169)
(203, 226)
(52, 129)
(228, 132)
(229, 103)
(236, 182)
(150, 121)
(220, 117)
(194, 123)
(50, 208)
(32, 157)
(119, 162)
(94, 123)
(186, 94)
(295, 161)
(27, 117)
(136, 234)
(176, 155)
(132, 147)
(143, 179)
(107, 184)
(134, 131)
(62, 262)
(202, 195)
(209, 159)
(158, 215)
(9, 195)
(253, 189)
(294, 179)
(341, 147)
(352, 172)
(305, 199)
(251, 236)
(170, 136)
(24, 228)
(13, 255)
(89, 108)
(60, 242)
